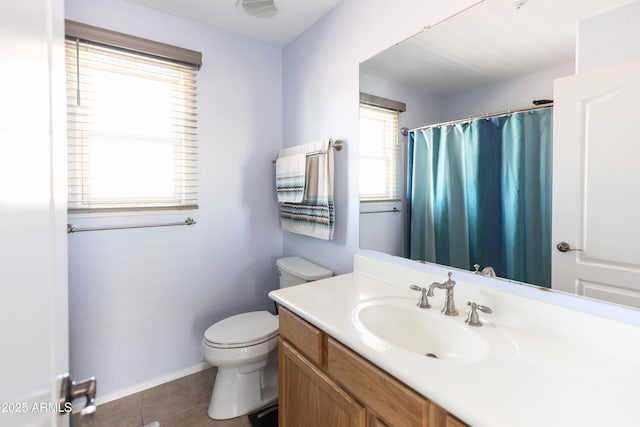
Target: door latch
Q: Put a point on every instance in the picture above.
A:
(71, 390)
(565, 247)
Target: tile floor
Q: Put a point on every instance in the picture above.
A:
(179, 403)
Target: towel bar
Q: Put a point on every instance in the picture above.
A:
(394, 210)
(337, 145)
(72, 228)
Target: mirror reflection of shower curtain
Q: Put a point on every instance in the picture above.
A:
(480, 193)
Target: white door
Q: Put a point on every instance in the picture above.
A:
(33, 251)
(596, 184)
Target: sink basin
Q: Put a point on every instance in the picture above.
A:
(397, 321)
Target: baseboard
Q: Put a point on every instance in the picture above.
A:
(100, 400)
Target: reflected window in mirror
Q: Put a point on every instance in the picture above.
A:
(381, 155)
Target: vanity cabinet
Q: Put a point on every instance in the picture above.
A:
(311, 398)
(323, 383)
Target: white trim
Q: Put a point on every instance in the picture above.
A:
(143, 386)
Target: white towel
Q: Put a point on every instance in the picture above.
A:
(291, 171)
(290, 178)
(314, 216)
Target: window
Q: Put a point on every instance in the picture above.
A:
(131, 123)
(380, 153)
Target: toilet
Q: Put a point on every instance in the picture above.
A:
(244, 348)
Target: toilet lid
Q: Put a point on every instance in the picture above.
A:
(243, 329)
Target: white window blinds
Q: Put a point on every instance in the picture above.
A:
(380, 155)
(131, 130)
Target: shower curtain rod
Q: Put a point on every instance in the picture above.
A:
(543, 104)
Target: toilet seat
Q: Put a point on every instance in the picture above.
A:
(242, 330)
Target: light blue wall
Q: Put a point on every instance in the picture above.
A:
(609, 38)
(321, 93)
(422, 107)
(140, 300)
(510, 94)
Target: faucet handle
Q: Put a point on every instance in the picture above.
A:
(474, 319)
(423, 302)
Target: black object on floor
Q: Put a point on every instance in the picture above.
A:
(268, 417)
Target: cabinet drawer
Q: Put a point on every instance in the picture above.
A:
(306, 338)
(393, 402)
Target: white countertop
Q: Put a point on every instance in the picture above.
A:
(561, 368)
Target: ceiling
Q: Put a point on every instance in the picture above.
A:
(292, 20)
(488, 43)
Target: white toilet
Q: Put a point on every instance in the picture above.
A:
(244, 348)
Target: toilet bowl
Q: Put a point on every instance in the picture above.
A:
(244, 348)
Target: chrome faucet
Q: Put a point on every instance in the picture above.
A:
(487, 271)
(449, 308)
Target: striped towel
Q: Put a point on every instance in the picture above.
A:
(315, 215)
(290, 176)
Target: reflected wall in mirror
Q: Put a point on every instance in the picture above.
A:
(497, 57)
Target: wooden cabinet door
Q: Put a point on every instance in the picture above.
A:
(438, 417)
(309, 398)
(375, 422)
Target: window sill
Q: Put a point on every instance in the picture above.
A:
(120, 212)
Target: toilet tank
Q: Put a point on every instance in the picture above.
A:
(296, 270)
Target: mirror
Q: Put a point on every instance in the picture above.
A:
(496, 56)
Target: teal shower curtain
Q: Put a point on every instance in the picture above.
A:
(480, 193)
